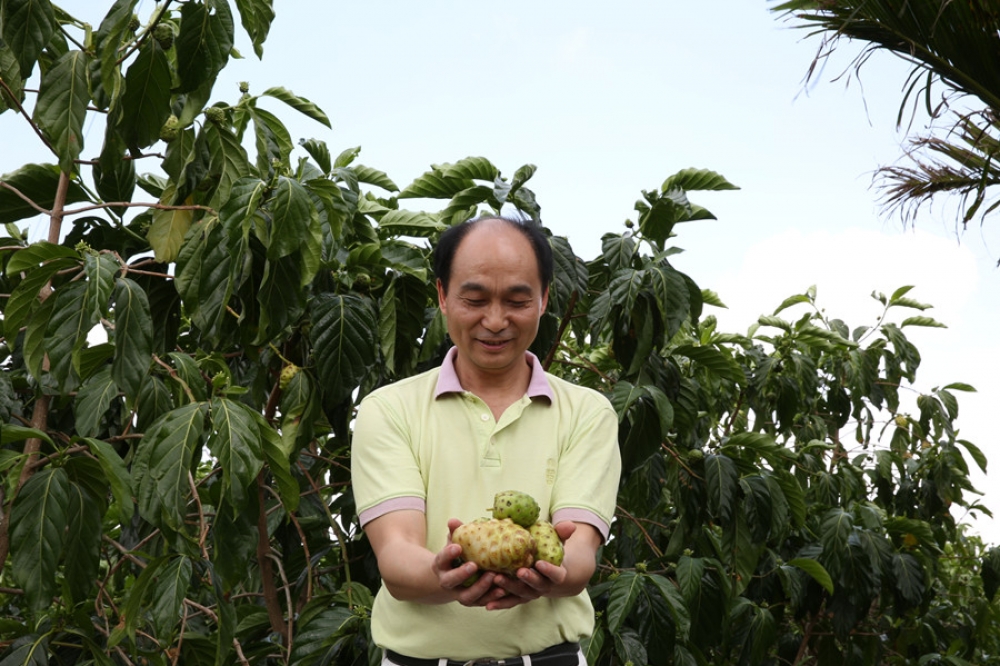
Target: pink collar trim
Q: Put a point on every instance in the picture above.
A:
(538, 386)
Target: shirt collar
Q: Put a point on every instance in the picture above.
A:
(538, 385)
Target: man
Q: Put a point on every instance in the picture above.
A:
(430, 452)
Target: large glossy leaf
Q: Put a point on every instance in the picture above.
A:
(38, 522)
(169, 589)
(298, 103)
(204, 43)
(62, 106)
(433, 185)
(71, 322)
(24, 299)
(569, 275)
(409, 223)
(343, 327)
(84, 514)
(170, 226)
(145, 104)
(37, 183)
(292, 213)
(815, 570)
(676, 602)
(274, 143)
(401, 323)
(28, 25)
(281, 298)
(100, 270)
(29, 650)
(697, 179)
(228, 163)
(470, 168)
(114, 172)
(163, 462)
(133, 337)
(205, 276)
(624, 593)
(92, 402)
(117, 475)
(838, 525)
(722, 482)
(256, 17)
(235, 440)
(10, 72)
(112, 33)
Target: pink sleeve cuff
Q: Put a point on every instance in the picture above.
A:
(583, 516)
(390, 505)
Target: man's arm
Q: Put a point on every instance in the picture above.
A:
(413, 573)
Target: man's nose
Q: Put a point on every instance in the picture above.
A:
(495, 317)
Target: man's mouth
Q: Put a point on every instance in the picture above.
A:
(493, 344)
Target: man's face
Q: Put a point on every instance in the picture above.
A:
(494, 300)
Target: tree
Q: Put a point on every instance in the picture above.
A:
(182, 356)
(954, 51)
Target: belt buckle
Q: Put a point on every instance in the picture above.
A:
(485, 662)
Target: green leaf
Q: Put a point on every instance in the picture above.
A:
(256, 17)
(203, 43)
(62, 106)
(470, 168)
(675, 601)
(24, 299)
(713, 360)
(622, 598)
(375, 177)
(38, 253)
(67, 330)
(37, 183)
(281, 297)
(133, 337)
(170, 226)
(921, 321)
(235, 440)
(790, 301)
(100, 270)
(10, 73)
(92, 402)
(228, 163)
(206, 274)
(409, 223)
(722, 484)
(114, 173)
(697, 179)
(27, 25)
(145, 104)
(117, 475)
(815, 570)
(690, 571)
(274, 143)
(163, 462)
(11, 432)
(84, 516)
(343, 327)
(169, 589)
(38, 522)
(292, 211)
(433, 185)
(300, 104)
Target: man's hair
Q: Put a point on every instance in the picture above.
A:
(447, 245)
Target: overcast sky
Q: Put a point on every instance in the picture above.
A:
(608, 99)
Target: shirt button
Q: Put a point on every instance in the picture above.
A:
(485, 417)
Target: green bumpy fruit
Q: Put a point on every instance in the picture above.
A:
(548, 546)
(496, 545)
(519, 507)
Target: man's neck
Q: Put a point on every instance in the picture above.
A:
(500, 389)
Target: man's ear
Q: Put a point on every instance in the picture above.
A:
(545, 300)
(441, 298)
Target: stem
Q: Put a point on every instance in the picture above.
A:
(40, 410)
(567, 316)
(271, 601)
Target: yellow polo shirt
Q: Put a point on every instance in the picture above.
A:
(424, 443)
